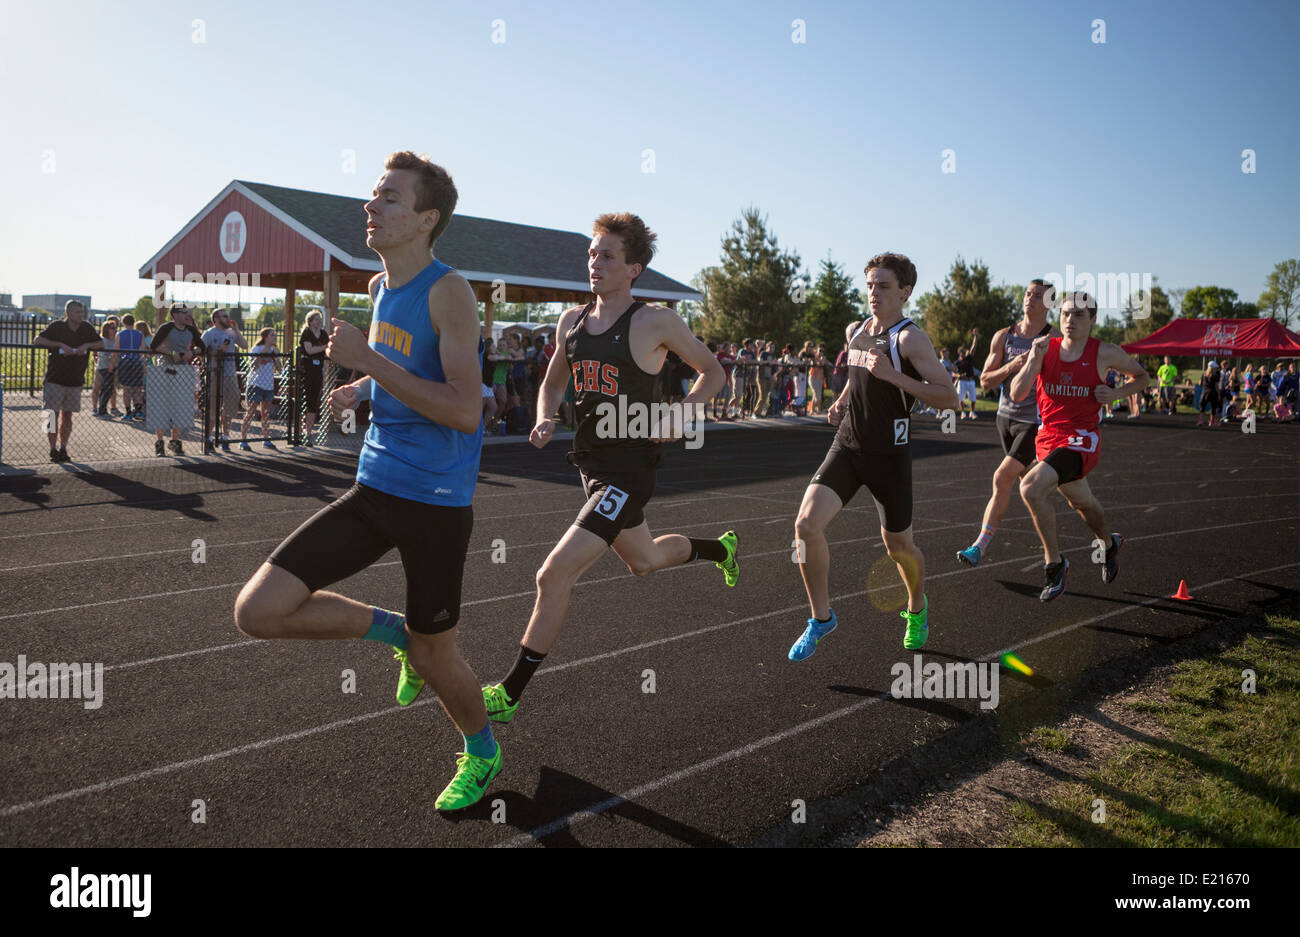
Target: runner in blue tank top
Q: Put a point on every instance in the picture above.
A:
(415, 476)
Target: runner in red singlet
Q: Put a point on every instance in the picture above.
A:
(1069, 374)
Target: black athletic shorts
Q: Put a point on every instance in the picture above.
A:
(356, 530)
(888, 476)
(615, 501)
(1017, 439)
(1067, 463)
(1209, 402)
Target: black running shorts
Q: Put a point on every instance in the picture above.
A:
(615, 501)
(1067, 463)
(1017, 439)
(888, 476)
(356, 530)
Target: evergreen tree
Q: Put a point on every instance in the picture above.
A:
(751, 292)
(966, 300)
(832, 304)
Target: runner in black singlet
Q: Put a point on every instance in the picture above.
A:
(891, 362)
(613, 351)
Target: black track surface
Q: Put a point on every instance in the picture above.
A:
(97, 567)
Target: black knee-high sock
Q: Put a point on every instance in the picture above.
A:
(707, 550)
(525, 666)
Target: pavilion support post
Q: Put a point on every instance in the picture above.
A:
(489, 309)
(290, 297)
(331, 298)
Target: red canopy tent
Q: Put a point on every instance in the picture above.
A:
(1220, 338)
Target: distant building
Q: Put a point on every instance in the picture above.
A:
(7, 304)
(53, 303)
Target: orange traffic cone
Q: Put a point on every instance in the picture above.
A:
(1182, 592)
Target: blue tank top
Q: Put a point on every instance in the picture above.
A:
(406, 454)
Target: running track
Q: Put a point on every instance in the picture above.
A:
(97, 567)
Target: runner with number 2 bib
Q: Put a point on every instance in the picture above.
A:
(1070, 376)
(890, 362)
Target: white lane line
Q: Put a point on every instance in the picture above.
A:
(195, 762)
(264, 743)
(129, 598)
(668, 780)
(1129, 608)
(181, 550)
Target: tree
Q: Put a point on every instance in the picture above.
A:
(750, 294)
(144, 309)
(832, 304)
(966, 300)
(1209, 302)
(1137, 326)
(1281, 295)
(690, 309)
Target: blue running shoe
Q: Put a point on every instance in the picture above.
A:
(806, 646)
(971, 556)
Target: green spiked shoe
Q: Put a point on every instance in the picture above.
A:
(918, 627)
(409, 683)
(473, 775)
(730, 567)
(499, 707)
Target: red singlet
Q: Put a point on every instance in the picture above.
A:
(1066, 403)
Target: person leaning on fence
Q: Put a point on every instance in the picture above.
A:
(221, 341)
(70, 340)
(105, 388)
(170, 381)
(130, 369)
(311, 368)
(261, 387)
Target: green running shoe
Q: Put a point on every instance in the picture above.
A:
(409, 683)
(473, 775)
(918, 627)
(730, 567)
(499, 707)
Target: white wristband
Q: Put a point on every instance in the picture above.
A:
(363, 390)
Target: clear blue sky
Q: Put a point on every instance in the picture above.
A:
(1122, 156)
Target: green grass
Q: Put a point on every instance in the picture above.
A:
(1056, 740)
(1228, 774)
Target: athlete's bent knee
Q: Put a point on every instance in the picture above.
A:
(640, 567)
(253, 615)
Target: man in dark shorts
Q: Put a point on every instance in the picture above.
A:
(1069, 376)
(130, 369)
(415, 476)
(1210, 399)
(311, 366)
(613, 351)
(891, 363)
(1017, 421)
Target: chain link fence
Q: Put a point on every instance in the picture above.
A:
(131, 404)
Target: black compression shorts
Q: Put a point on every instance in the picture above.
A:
(888, 476)
(1017, 439)
(1067, 463)
(356, 530)
(615, 501)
